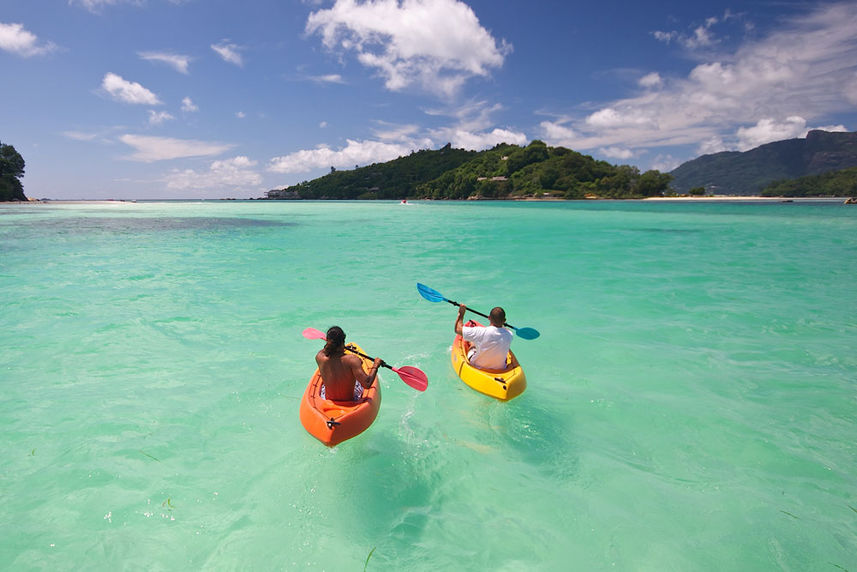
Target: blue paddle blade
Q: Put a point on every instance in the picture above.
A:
(527, 333)
(429, 294)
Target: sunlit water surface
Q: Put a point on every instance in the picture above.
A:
(692, 399)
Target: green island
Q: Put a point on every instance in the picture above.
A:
(535, 171)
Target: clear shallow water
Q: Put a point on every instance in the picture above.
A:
(692, 400)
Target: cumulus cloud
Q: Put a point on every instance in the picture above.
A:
(188, 106)
(158, 117)
(229, 52)
(665, 163)
(128, 91)
(177, 62)
(617, 153)
(17, 40)
(354, 153)
(651, 80)
(557, 131)
(436, 45)
(805, 69)
(768, 130)
(148, 148)
(479, 140)
(711, 145)
(236, 172)
(611, 117)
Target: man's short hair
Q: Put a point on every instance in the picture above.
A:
(498, 315)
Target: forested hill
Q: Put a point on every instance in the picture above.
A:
(506, 171)
(747, 173)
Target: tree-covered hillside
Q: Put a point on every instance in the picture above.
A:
(394, 179)
(11, 170)
(506, 171)
(841, 183)
(747, 173)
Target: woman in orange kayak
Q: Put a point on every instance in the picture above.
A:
(340, 369)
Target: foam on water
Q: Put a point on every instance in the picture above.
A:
(690, 406)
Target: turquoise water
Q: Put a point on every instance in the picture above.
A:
(692, 399)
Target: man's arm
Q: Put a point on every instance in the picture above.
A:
(459, 321)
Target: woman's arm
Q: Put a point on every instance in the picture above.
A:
(366, 380)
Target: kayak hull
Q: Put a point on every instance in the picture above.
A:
(333, 422)
(501, 384)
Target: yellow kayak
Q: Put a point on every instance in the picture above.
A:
(500, 383)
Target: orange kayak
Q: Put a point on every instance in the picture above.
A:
(333, 422)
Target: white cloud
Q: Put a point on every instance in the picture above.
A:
(128, 91)
(805, 69)
(240, 114)
(15, 39)
(188, 106)
(665, 163)
(80, 135)
(651, 80)
(616, 153)
(611, 117)
(434, 44)
(700, 37)
(557, 132)
(229, 52)
(323, 124)
(148, 148)
(711, 145)
(329, 78)
(237, 172)
(158, 117)
(479, 140)
(177, 62)
(768, 130)
(834, 128)
(95, 5)
(354, 153)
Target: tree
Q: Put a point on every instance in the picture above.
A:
(653, 183)
(11, 170)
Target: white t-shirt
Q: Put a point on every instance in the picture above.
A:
(492, 345)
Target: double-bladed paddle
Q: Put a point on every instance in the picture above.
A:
(435, 296)
(411, 375)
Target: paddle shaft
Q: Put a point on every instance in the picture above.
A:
(469, 309)
(383, 363)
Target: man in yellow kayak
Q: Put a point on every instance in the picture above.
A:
(491, 343)
(342, 372)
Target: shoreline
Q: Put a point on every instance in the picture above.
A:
(714, 198)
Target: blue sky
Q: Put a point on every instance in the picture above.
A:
(136, 99)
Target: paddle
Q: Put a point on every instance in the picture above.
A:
(410, 375)
(435, 296)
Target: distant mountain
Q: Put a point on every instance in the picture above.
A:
(747, 173)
